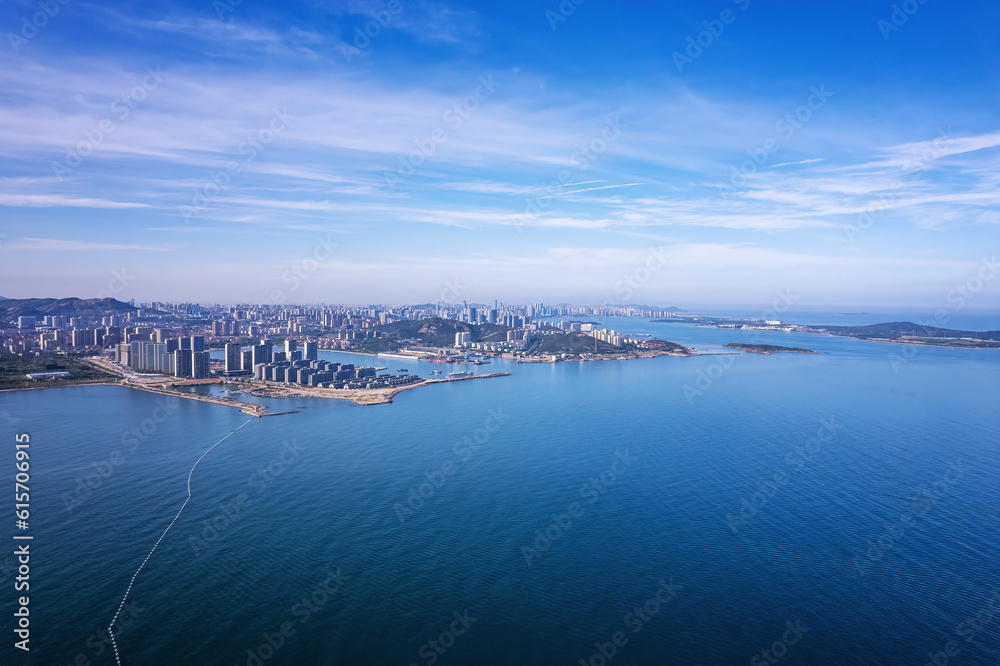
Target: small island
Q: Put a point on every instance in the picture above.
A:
(906, 332)
(769, 349)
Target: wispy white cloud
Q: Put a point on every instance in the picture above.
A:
(784, 164)
(48, 200)
(61, 245)
(539, 189)
(588, 189)
(427, 21)
(518, 159)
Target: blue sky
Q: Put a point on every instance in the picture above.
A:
(689, 153)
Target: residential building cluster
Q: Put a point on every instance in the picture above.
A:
(180, 357)
(613, 338)
(327, 374)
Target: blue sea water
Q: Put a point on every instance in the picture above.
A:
(852, 494)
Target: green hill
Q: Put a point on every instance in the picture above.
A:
(769, 349)
(429, 332)
(12, 308)
(897, 329)
(570, 343)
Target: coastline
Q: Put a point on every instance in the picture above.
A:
(810, 330)
(45, 384)
(363, 397)
(248, 408)
(358, 396)
(767, 349)
(611, 357)
(164, 385)
(917, 343)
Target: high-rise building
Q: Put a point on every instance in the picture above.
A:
(167, 363)
(182, 362)
(290, 346)
(150, 356)
(136, 355)
(201, 366)
(197, 343)
(246, 360)
(261, 353)
(154, 352)
(311, 351)
(234, 359)
(82, 337)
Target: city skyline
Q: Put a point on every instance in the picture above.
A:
(223, 152)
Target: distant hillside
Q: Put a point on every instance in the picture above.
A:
(12, 308)
(769, 349)
(439, 332)
(429, 332)
(570, 343)
(896, 329)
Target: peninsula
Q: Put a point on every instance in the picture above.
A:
(901, 332)
(769, 349)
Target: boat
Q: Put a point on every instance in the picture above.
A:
(402, 370)
(458, 375)
(435, 372)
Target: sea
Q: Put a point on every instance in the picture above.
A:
(837, 508)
